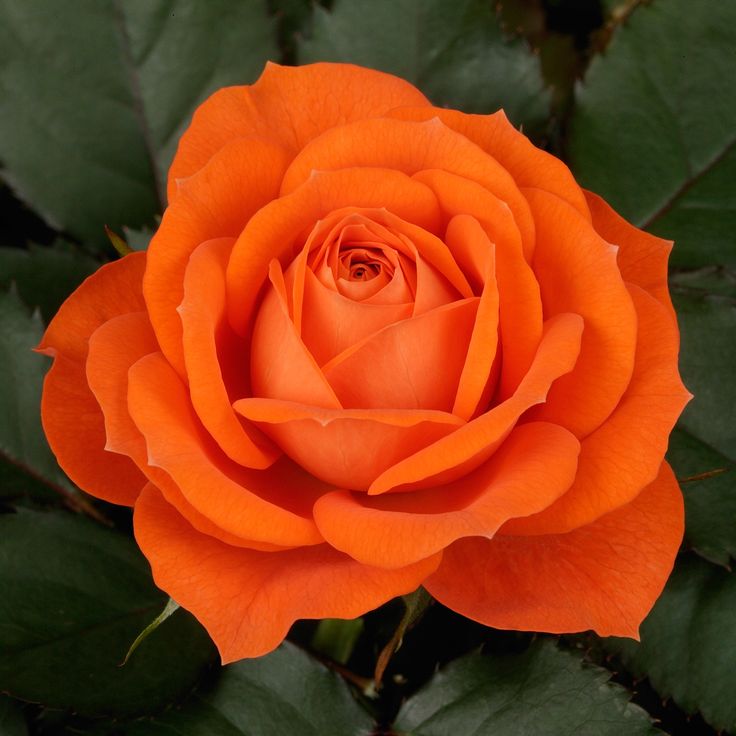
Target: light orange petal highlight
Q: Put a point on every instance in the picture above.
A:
(265, 591)
(72, 420)
(605, 576)
(533, 467)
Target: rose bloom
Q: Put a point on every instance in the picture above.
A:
(374, 345)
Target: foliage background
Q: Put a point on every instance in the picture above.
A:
(638, 97)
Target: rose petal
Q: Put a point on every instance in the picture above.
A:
(254, 504)
(280, 229)
(287, 106)
(533, 467)
(520, 306)
(216, 359)
(334, 323)
(569, 258)
(347, 447)
(528, 165)
(465, 235)
(412, 364)
(216, 202)
(265, 591)
(625, 452)
(642, 257)
(72, 419)
(409, 147)
(473, 443)
(281, 366)
(604, 576)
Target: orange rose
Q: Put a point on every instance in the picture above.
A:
(374, 345)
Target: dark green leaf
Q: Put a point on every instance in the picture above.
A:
(654, 130)
(710, 503)
(45, 276)
(707, 360)
(22, 442)
(75, 595)
(542, 691)
(12, 722)
(688, 642)
(92, 103)
(285, 693)
(455, 52)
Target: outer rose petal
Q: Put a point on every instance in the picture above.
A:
(571, 257)
(604, 576)
(624, 454)
(216, 202)
(72, 419)
(288, 106)
(246, 599)
(531, 469)
(528, 165)
(258, 505)
(642, 257)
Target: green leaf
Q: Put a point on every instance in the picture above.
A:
(285, 693)
(654, 129)
(75, 595)
(542, 691)
(710, 503)
(45, 276)
(23, 446)
(455, 52)
(92, 103)
(688, 642)
(12, 722)
(171, 607)
(707, 359)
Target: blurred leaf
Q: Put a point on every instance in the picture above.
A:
(455, 52)
(12, 722)
(285, 693)
(92, 102)
(336, 638)
(22, 441)
(542, 691)
(654, 130)
(710, 503)
(688, 642)
(45, 276)
(138, 239)
(75, 595)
